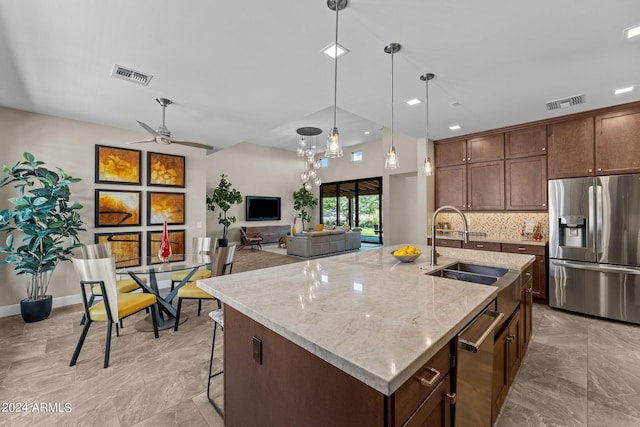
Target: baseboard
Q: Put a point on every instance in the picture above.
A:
(12, 310)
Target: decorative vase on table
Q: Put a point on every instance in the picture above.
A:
(164, 253)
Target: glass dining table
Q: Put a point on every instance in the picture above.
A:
(146, 266)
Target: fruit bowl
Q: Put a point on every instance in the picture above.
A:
(406, 258)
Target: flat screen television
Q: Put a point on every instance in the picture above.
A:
(260, 208)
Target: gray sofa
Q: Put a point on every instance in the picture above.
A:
(318, 243)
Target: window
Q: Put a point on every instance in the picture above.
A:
(356, 156)
(324, 163)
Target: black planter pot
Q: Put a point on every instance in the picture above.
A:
(223, 243)
(35, 311)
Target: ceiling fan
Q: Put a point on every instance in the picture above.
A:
(162, 135)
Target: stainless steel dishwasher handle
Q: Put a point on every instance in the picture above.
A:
(475, 346)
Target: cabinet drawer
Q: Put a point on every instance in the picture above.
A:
(523, 249)
(411, 394)
(435, 410)
(449, 243)
(527, 276)
(482, 246)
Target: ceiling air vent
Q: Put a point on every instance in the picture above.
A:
(131, 75)
(565, 102)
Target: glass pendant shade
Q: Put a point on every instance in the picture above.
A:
(317, 182)
(392, 159)
(428, 167)
(300, 151)
(334, 147)
(307, 186)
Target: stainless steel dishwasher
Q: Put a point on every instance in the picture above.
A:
(474, 369)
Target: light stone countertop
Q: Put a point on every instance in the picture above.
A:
(364, 312)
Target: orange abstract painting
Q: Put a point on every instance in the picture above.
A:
(176, 239)
(165, 207)
(125, 247)
(115, 208)
(165, 170)
(118, 165)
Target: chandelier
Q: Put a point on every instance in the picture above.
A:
(307, 149)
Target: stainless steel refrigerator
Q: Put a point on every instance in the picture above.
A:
(594, 246)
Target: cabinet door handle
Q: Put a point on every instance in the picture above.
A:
(463, 159)
(528, 273)
(432, 381)
(468, 159)
(479, 246)
(544, 148)
(590, 170)
(529, 291)
(599, 169)
(510, 337)
(452, 398)
(522, 249)
(544, 204)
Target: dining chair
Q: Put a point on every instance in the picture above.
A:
(114, 306)
(218, 319)
(224, 261)
(201, 246)
(103, 250)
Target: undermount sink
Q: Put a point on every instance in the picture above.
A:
(475, 273)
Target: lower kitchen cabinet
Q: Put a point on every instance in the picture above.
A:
(526, 309)
(447, 243)
(539, 265)
(434, 411)
(482, 246)
(507, 357)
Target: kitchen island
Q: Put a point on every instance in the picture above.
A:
(337, 337)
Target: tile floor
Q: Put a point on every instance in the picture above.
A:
(579, 371)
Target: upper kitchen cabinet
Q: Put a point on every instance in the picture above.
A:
(526, 184)
(451, 153)
(618, 142)
(531, 141)
(485, 184)
(571, 148)
(451, 186)
(485, 148)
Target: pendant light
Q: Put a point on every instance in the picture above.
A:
(391, 161)
(307, 149)
(427, 170)
(334, 147)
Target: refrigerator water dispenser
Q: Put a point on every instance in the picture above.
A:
(573, 231)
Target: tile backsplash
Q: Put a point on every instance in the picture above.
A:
(498, 226)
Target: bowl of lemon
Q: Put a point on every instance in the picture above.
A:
(407, 253)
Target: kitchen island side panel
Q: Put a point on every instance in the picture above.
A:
(290, 386)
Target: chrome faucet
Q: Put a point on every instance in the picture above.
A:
(434, 254)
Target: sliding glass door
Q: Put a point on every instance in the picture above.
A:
(356, 203)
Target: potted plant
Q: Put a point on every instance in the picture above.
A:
(50, 223)
(303, 199)
(224, 197)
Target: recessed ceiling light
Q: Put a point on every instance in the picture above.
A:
(414, 101)
(331, 49)
(623, 90)
(632, 32)
(455, 104)
(455, 127)
(366, 132)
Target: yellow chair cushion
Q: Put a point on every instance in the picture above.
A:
(198, 275)
(127, 304)
(123, 286)
(191, 290)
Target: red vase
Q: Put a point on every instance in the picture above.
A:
(164, 253)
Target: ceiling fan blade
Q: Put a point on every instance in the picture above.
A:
(145, 140)
(192, 144)
(148, 128)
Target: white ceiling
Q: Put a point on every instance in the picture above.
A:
(252, 70)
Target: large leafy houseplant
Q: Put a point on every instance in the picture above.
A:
(223, 197)
(44, 214)
(303, 199)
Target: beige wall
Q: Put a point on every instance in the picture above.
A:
(70, 145)
(254, 170)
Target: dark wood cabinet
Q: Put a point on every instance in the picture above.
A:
(526, 184)
(482, 246)
(531, 141)
(448, 243)
(485, 186)
(507, 357)
(618, 142)
(571, 148)
(434, 411)
(451, 186)
(485, 148)
(539, 265)
(526, 308)
(451, 153)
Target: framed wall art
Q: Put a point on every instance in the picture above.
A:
(176, 239)
(165, 170)
(126, 248)
(118, 165)
(165, 207)
(118, 208)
